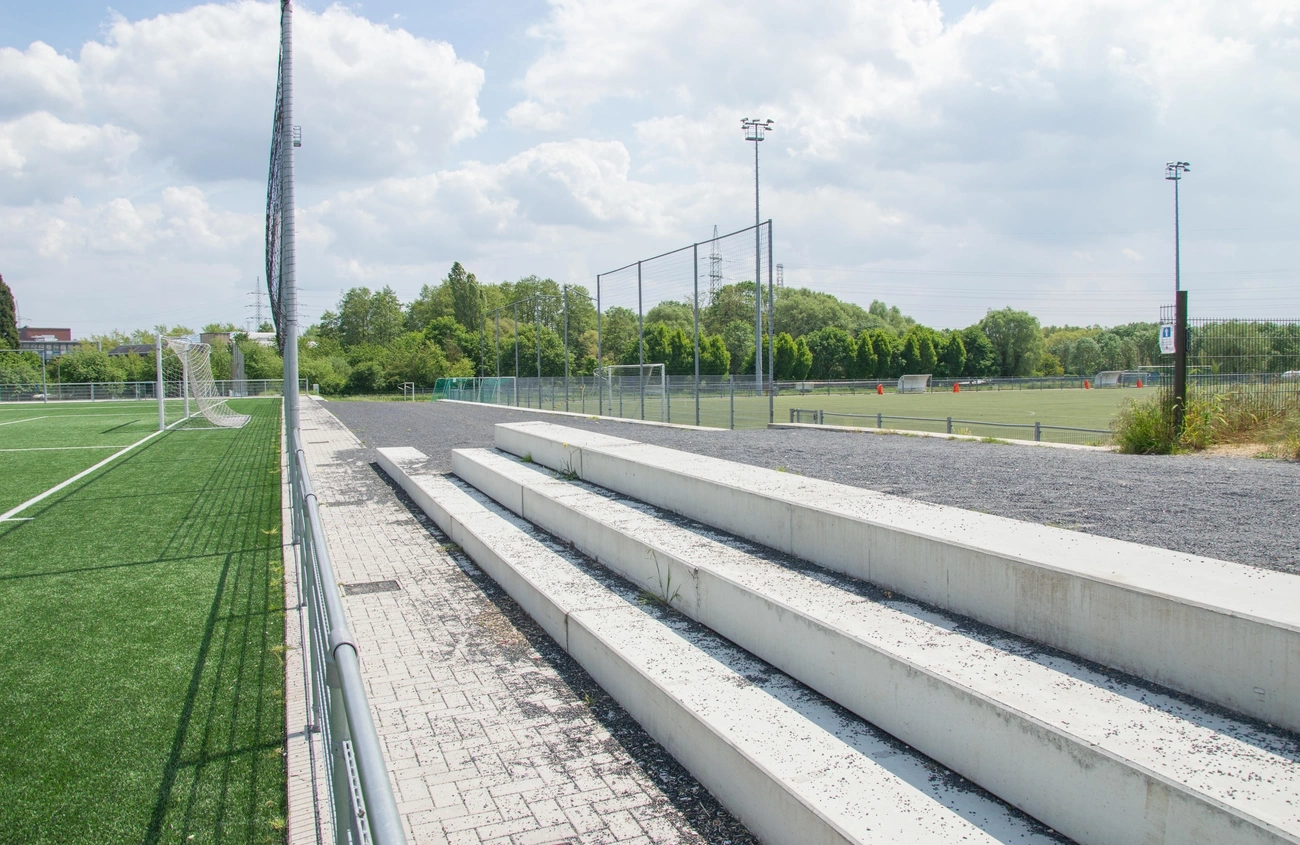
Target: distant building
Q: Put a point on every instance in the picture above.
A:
(144, 350)
(46, 342)
(264, 338)
(215, 338)
(35, 333)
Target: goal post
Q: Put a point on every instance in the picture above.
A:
(914, 383)
(185, 385)
(637, 385)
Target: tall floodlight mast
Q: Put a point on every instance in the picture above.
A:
(756, 130)
(1174, 171)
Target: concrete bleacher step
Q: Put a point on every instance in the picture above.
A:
(1090, 753)
(1223, 632)
(789, 764)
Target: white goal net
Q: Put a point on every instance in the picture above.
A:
(634, 390)
(191, 364)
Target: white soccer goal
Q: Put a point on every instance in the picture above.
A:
(914, 383)
(186, 377)
(634, 390)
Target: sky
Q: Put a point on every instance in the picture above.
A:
(946, 157)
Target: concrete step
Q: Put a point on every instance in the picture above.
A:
(1092, 754)
(1223, 632)
(791, 765)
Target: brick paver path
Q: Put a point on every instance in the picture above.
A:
(486, 742)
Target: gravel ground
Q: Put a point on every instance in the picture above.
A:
(1239, 509)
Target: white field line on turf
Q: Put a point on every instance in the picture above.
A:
(28, 419)
(4, 517)
(57, 448)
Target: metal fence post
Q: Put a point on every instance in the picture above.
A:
(1038, 431)
(695, 258)
(880, 420)
(732, 382)
(1180, 360)
(950, 425)
(640, 339)
(566, 347)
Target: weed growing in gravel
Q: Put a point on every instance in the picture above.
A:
(1141, 427)
(527, 458)
(996, 440)
(1144, 427)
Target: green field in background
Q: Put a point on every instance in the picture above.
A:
(142, 634)
(1092, 409)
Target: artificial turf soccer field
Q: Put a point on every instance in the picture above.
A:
(143, 628)
(1074, 408)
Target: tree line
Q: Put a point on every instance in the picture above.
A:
(372, 341)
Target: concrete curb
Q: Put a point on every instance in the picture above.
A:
(912, 433)
(1226, 633)
(1002, 724)
(589, 416)
(793, 769)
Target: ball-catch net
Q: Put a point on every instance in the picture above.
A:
(191, 365)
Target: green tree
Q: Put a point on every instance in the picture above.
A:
(365, 318)
(738, 336)
(864, 357)
(367, 377)
(8, 317)
(1086, 358)
(730, 304)
(981, 357)
(715, 360)
(952, 358)
(890, 316)
(1017, 340)
(466, 301)
(675, 315)
(261, 362)
(833, 352)
(416, 359)
(22, 371)
(786, 352)
(618, 335)
(803, 359)
(87, 364)
(889, 353)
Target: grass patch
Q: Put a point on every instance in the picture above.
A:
(142, 640)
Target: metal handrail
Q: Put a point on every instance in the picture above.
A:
(819, 418)
(363, 807)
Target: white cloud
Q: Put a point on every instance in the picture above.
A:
(1009, 156)
(198, 88)
(41, 157)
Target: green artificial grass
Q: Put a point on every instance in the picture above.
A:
(142, 639)
(1075, 408)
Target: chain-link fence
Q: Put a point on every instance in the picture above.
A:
(131, 390)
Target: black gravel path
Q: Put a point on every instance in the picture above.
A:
(1238, 509)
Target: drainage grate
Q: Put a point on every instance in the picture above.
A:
(371, 587)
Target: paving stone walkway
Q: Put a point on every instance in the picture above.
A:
(486, 740)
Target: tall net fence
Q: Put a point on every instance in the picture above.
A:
(692, 313)
(1253, 366)
(274, 186)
